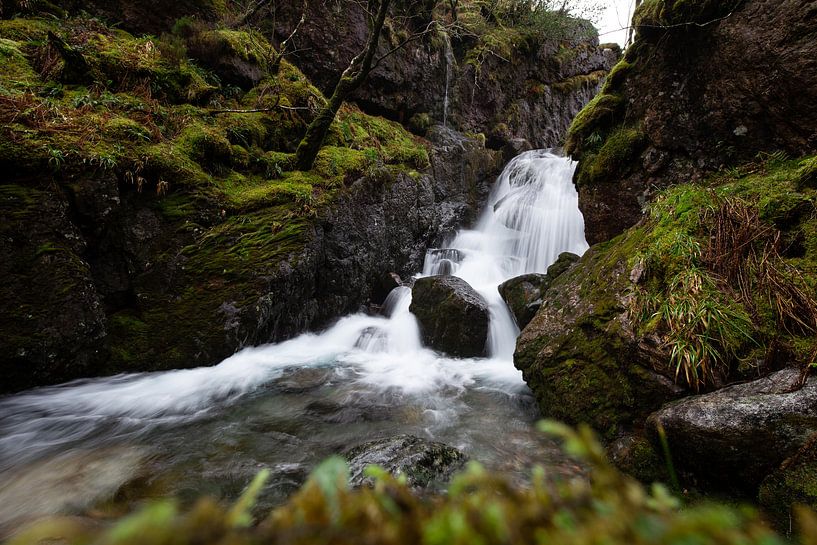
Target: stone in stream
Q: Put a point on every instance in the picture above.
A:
(523, 294)
(453, 317)
(736, 436)
(424, 463)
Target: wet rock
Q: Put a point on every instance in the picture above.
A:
(352, 410)
(303, 379)
(453, 317)
(736, 436)
(514, 147)
(523, 294)
(425, 464)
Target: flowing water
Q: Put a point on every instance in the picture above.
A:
(101, 445)
(450, 66)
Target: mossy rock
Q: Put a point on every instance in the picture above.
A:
(599, 114)
(618, 154)
(794, 483)
(807, 176)
(453, 317)
(580, 355)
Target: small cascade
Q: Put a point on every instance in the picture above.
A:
(450, 66)
(532, 217)
(441, 261)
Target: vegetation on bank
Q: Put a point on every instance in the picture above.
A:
(728, 273)
(479, 508)
(92, 112)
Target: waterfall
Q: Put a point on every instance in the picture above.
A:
(531, 217)
(450, 64)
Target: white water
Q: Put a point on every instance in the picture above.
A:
(450, 64)
(532, 216)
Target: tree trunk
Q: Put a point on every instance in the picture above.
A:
(354, 75)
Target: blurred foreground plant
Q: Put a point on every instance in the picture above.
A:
(480, 508)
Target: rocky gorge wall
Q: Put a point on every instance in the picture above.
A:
(143, 231)
(705, 86)
(504, 83)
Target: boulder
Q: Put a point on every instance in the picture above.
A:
(581, 355)
(523, 294)
(736, 436)
(453, 317)
(424, 463)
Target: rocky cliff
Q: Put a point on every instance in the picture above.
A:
(504, 82)
(705, 86)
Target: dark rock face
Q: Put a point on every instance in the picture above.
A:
(532, 95)
(523, 294)
(424, 463)
(82, 269)
(736, 436)
(793, 483)
(52, 317)
(704, 98)
(453, 317)
(580, 354)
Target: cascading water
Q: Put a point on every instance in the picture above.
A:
(450, 64)
(65, 448)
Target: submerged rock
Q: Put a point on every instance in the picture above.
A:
(736, 436)
(523, 294)
(453, 317)
(424, 463)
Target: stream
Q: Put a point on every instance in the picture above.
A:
(100, 446)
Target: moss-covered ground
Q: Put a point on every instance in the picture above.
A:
(187, 146)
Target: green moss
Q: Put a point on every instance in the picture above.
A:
(807, 176)
(573, 84)
(617, 155)
(15, 70)
(247, 45)
(599, 114)
(616, 77)
(393, 143)
(126, 129)
(337, 165)
(25, 29)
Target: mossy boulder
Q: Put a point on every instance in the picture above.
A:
(581, 355)
(453, 317)
(523, 294)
